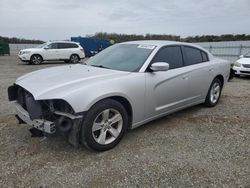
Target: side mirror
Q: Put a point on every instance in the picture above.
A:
(241, 56)
(159, 66)
(46, 48)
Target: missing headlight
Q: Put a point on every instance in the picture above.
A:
(33, 107)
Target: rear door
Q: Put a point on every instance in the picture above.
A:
(200, 73)
(67, 49)
(166, 90)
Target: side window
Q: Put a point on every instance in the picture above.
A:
(204, 56)
(52, 46)
(72, 45)
(193, 55)
(61, 45)
(171, 55)
(67, 45)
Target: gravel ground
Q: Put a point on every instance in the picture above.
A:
(197, 147)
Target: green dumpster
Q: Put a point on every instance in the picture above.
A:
(4, 48)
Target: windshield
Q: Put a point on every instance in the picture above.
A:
(123, 57)
(42, 45)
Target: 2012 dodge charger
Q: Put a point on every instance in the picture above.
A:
(123, 87)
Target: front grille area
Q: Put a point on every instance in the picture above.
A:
(245, 72)
(246, 65)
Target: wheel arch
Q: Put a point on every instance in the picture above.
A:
(74, 54)
(123, 101)
(36, 54)
(221, 78)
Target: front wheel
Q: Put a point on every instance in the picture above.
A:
(74, 58)
(104, 125)
(36, 59)
(214, 93)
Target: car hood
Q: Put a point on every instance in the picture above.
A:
(59, 81)
(244, 60)
(31, 49)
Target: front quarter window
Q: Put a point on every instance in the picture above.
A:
(123, 57)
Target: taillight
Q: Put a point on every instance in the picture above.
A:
(82, 49)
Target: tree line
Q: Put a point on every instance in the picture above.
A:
(204, 38)
(15, 40)
(129, 37)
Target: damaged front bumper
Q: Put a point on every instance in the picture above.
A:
(47, 116)
(40, 124)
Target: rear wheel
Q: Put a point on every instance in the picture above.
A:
(104, 125)
(36, 59)
(214, 93)
(74, 58)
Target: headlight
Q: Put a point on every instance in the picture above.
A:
(24, 52)
(237, 64)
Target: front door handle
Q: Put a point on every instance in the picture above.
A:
(185, 77)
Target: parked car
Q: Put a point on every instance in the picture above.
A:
(53, 51)
(242, 65)
(122, 87)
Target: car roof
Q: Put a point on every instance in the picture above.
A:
(61, 41)
(160, 43)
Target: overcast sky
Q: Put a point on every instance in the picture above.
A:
(61, 19)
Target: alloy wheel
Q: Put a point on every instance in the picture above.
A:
(107, 126)
(215, 92)
(36, 59)
(74, 59)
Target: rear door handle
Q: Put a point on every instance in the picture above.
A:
(211, 69)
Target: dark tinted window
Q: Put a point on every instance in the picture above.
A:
(52, 46)
(62, 45)
(193, 55)
(74, 45)
(171, 55)
(204, 56)
(67, 45)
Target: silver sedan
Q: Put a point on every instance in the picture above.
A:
(122, 87)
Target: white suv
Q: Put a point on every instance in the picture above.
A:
(51, 51)
(242, 65)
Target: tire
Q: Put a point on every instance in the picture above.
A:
(36, 60)
(74, 58)
(98, 132)
(213, 95)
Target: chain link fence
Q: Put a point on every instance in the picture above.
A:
(227, 50)
(15, 48)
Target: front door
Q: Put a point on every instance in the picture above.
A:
(51, 52)
(166, 90)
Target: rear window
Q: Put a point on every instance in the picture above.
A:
(204, 56)
(194, 55)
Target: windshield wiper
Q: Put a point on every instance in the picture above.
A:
(100, 66)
